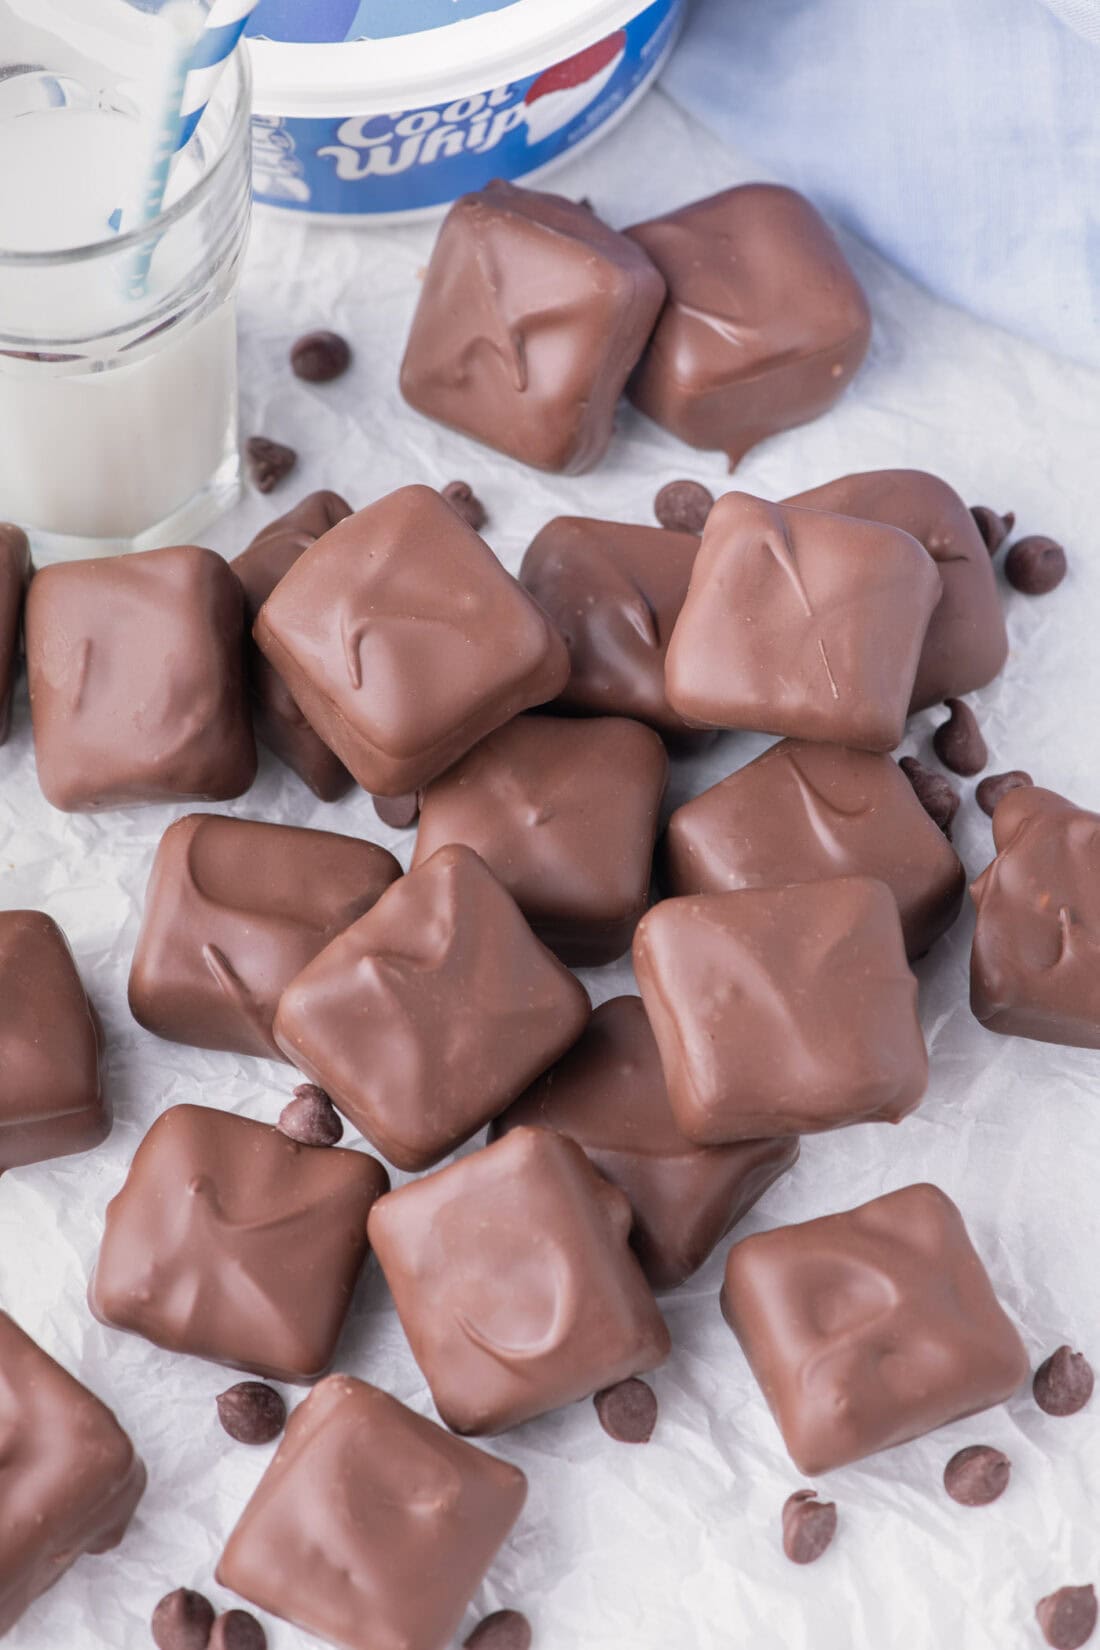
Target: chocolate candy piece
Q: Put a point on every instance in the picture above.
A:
(871, 1327)
(958, 742)
(405, 642)
(319, 357)
(15, 573)
(531, 317)
(765, 323)
(398, 812)
(992, 525)
(69, 1478)
(251, 1412)
(1063, 1382)
(269, 462)
(182, 1621)
(1033, 967)
(237, 1630)
(995, 785)
(1036, 565)
(615, 592)
(51, 1102)
(627, 1411)
(809, 1526)
(608, 1094)
(231, 1242)
(280, 725)
(430, 1014)
(802, 623)
(782, 1011)
(311, 1118)
(683, 506)
(136, 667)
(966, 644)
(372, 1526)
(803, 812)
(936, 795)
(503, 1630)
(1067, 1618)
(461, 497)
(976, 1476)
(234, 910)
(514, 1281)
(565, 814)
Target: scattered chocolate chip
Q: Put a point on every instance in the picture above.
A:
(269, 462)
(938, 798)
(182, 1621)
(237, 1630)
(958, 742)
(809, 1525)
(683, 506)
(586, 203)
(1067, 1618)
(503, 1630)
(1063, 1383)
(251, 1412)
(311, 1118)
(461, 497)
(398, 812)
(995, 785)
(319, 357)
(627, 1411)
(976, 1476)
(993, 527)
(1035, 565)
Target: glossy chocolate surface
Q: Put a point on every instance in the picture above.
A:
(782, 1010)
(515, 1283)
(531, 317)
(372, 1527)
(565, 814)
(15, 573)
(608, 1094)
(868, 1328)
(765, 323)
(233, 911)
(232, 1242)
(404, 640)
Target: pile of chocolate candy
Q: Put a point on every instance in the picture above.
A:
(527, 723)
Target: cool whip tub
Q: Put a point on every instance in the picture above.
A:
(389, 109)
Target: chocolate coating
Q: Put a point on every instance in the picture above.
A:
(233, 911)
(782, 1010)
(531, 317)
(280, 725)
(608, 1094)
(136, 668)
(15, 574)
(1033, 967)
(372, 1527)
(233, 1243)
(765, 323)
(404, 640)
(69, 1478)
(801, 623)
(514, 1281)
(868, 1328)
(431, 1013)
(803, 812)
(51, 1100)
(565, 814)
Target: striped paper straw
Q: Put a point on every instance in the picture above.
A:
(225, 23)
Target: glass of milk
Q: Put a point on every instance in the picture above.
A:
(118, 410)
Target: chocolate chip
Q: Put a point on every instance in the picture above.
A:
(683, 506)
(461, 497)
(251, 1412)
(627, 1411)
(503, 1630)
(1035, 565)
(311, 1118)
(237, 1630)
(182, 1621)
(958, 742)
(399, 812)
(996, 785)
(319, 357)
(1067, 1618)
(993, 527)
(269, 462)
(1063, 1383)
(809, 1525)
(976, 1476)
(938, 798)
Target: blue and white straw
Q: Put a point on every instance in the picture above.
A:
(225, 23)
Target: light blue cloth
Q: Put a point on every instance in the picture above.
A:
(959, 137)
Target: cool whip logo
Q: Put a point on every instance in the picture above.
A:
(380, 145)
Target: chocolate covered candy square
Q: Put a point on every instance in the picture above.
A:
(404, 640)
(232, 1242)
(372, 1527)
(15, 573)
(609, 1095)
(868, 1328)
(136, 668)
(801, 623)
(233, 911)
(765, 323)
(532, 314)
(69, 1477)
(426, 1017)
(565, 814)
(51, 1099)
(782, 1010)
(515, 1283)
